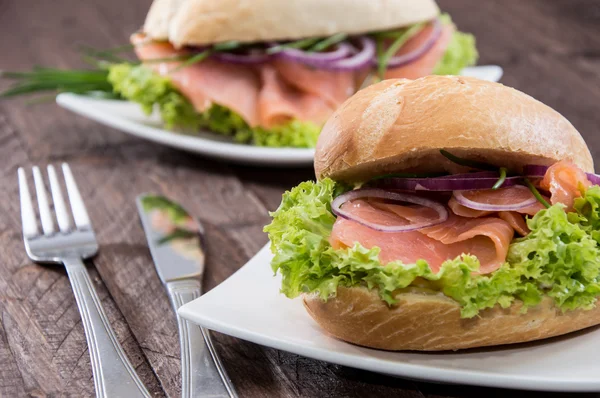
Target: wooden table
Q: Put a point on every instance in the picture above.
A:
(549, 49)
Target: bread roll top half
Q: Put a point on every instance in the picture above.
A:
(200, 22)
(400, 125)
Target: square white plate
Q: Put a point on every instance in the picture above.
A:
(249, 306)
(129, 118)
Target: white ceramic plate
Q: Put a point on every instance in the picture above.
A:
(249, 306)
(129, 118)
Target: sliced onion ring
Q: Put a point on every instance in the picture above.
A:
(336, 208)
(594, 178)
(237, 58)
(361, 59)
(456, 182)
(534, 170)
(471, 204)
(404, 59)
(317, 59)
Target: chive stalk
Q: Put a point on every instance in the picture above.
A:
(226, 45)
(50, 79)
(328, 42)
(399, 41)
(502, 178)
(467, 162)
(193, 59)
(536, 193)
(299, 44)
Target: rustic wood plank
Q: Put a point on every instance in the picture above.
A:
(42, 330)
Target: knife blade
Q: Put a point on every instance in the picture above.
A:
(175, 240)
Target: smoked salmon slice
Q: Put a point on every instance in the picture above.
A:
(234, 86)
(516, 221)
(487, 238)
(279, 102)
(426, 63)
(564, 180)
(334, 87)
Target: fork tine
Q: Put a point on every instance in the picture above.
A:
(42, 198)
(30, 228)
(64, 223)
(77, 207)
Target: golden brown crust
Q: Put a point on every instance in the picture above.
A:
(402, 124)
(198, 22)
(431, 322)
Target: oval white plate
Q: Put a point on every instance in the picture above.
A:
(129, 118)
(249, 306)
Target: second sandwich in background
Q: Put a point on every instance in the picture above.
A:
(272, 72)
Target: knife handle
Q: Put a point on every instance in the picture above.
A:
(202, 373)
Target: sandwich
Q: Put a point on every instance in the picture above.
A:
(448, 213)
(270, 73)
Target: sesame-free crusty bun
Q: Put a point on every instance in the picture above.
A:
(431, 321)
(401, 125)
(198, 22)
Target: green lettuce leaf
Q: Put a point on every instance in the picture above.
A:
(461, 52)
(295, 133)
(139, 84)
(559, 258)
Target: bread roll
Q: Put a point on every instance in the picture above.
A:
(199, 22)
(429, 321)
(400, 125)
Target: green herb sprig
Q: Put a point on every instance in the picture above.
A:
(536, 193)
(50, 79)
(328, 42)
(502, 178)
(299, 44)
(399, 39)
(467, 162)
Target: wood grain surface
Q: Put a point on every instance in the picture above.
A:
(548, 48)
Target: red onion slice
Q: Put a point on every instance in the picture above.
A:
(317, 59)
(534, 170)
(250, 58)
(472, 204)
(361, 59)
(412, 56)
(594, 178)
(336, 208)
(456, 182)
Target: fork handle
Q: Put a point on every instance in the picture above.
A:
(114, 376)
(202, 373)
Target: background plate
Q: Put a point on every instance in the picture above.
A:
(129, 118)
(249, 306)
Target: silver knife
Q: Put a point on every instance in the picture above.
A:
(175, 241)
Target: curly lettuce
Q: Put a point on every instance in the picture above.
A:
(139, 84)
(560, 258)
(295, 133)
(461, 52)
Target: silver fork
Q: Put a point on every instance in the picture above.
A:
(114, 376)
